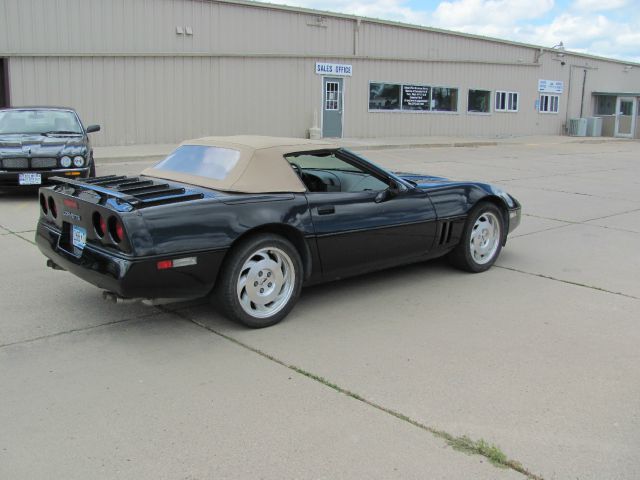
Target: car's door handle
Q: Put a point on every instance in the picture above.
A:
(326, 210)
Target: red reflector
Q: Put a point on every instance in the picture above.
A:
(68, 202)
(164, 264)
(103, 225)
(119, 232)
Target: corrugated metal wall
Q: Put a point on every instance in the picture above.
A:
(250, 69)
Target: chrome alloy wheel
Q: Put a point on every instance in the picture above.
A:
(485, 238)
(266, 282)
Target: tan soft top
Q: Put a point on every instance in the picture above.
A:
(261, 167)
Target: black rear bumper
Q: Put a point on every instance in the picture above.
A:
(130, 277)
(10, 179)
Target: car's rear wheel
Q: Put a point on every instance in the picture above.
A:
(481, 240)
(260, 281)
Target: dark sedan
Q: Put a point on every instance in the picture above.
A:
(249, 220)
(37, 143)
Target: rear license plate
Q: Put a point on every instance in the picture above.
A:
(79, 237)
(29, 179)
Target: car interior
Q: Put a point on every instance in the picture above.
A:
(326, 172)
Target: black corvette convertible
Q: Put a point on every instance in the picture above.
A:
(249, 220)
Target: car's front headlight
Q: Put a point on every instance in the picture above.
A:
(65, 161)
(78, 161)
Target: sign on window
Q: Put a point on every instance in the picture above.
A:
(550, 86)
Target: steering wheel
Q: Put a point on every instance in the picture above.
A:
(297, 168)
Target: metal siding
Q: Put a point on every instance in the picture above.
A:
(145, 84)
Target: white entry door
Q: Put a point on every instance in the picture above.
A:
(625, 117)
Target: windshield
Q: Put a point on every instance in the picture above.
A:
(208, 162)
(39, 121)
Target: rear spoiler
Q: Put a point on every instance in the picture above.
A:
(138, 192)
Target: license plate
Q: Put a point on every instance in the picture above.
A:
(79, 237)
(29, 179)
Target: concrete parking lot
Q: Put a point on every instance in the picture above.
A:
(368, 377)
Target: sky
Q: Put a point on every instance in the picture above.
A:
(609, 28)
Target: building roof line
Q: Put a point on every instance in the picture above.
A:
(410, 26)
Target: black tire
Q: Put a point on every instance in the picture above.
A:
(462, 256)
(92, 169)
(263, 248)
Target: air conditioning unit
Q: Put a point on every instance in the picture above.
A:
(578, 127)
(594, 127)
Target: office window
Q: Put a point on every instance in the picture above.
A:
(507, 101)
(606, 105)
(384, 96)
(444, 99)
(479, 101)
(412, 97)
(549, 103)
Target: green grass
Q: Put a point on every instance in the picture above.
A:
(480, 447)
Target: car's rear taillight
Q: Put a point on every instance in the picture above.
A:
(99, 224)
(52, 207)
(43, 204)
(116, 230)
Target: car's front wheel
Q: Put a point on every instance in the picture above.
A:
(260, 281)
(481, 240)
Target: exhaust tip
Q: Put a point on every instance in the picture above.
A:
(55, 266)
(115, 298)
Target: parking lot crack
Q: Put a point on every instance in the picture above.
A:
(568, 282)
(81, 329)
(16, 234)
(459, 443)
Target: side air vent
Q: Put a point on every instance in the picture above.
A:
(445, 233)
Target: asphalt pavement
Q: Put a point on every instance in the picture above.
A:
(379, 376)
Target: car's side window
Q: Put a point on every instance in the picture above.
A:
(327, 172)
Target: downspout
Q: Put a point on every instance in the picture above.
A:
(584, 81)
(356, 32)
(566, 115)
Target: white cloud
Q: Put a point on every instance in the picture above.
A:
(598, 5)
(488, 14)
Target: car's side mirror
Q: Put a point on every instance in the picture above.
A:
(383, 196)
(394, 188)
(387, 193)
(93, 128)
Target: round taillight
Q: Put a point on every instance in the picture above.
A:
(116, 229)
(43, 204)
(99, 224)
(52, 208)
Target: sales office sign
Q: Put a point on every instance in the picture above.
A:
(333, 69)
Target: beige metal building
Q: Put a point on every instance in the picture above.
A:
(159, 71)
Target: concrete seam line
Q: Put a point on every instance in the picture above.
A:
(462, 443)
(553, 190)
(15, 234)
(81, 329)
(541, 231)
(612, 215)
(568, 282)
